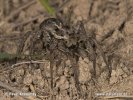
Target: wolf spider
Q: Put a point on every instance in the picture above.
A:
(56, 38)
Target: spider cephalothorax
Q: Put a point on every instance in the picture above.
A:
(54, 27)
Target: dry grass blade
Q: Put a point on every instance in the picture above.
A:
(48, 7)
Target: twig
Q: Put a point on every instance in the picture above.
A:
(28, 21)
(16, 12)
(18, 64)
(27, 62)
(20, 9)
(11, 37)
(65, 4)
(25, 22)
(1, 8)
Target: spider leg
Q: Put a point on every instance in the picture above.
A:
(103, 56)
(75, 67)
(22, 42)
(51, 72)
(90, 45)
(91, 50)
(92, 40)
(36, 36)
(94, 61)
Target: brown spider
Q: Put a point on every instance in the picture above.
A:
(73, 41)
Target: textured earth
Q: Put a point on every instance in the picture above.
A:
(111, 22)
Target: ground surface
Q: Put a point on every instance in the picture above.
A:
(111, 23)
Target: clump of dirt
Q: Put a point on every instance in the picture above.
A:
(83, 53)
